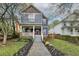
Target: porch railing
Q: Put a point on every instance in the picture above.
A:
(27, 33)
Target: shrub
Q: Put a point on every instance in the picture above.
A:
(23, 39)
(72, 39)
(17, 35)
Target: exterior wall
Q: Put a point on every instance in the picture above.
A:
(45, 22)
(71, 25)
(68, 26)
(40, 20)
(66, 32)
(58, 30)
(26, 20)
(45, 30)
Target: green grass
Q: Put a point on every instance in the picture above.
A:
(11, 48)
(66, 47)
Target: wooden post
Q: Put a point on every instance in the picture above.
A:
(42, 32)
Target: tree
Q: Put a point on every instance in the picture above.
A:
(6, 29)
(54, 23)
(4, 24)
(8, 10)
(61, 8)
(11, 11)
(15, 8)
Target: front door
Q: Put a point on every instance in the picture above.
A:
(38, 31)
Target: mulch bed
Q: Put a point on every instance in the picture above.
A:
(24, 50)
(54, 51)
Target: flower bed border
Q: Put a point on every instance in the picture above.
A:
(54, 51)
(24, 50)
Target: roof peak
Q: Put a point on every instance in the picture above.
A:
(33, 10)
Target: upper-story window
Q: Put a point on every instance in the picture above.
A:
(31, 17)
(44, 21)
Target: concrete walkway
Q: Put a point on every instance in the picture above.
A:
(38, 48)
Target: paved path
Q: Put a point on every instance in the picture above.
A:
(38, 48)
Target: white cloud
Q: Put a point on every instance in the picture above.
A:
(42, 5)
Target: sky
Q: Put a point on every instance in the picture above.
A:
(44, 7)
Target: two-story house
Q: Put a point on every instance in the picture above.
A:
(32, 22)
(68, 26)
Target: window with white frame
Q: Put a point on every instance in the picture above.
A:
(31, 17)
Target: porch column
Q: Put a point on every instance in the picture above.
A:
(33, 31)
(42, 32)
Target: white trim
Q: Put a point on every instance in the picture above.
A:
(42, 32)
(31, 25)
(33, 32)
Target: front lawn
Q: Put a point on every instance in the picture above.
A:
(11, 48)
(66, 47)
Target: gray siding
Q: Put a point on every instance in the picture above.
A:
(45, 22)
(38, 18)
(26, 20)
(45, 30)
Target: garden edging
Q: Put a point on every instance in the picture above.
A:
(24, 50)
(54, 51)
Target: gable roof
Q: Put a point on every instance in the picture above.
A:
(33, 9)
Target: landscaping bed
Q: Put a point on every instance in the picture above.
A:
(24, 50)
(53, 50)
(65, 47)
(16, 47)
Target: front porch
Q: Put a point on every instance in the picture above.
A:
(32, 31)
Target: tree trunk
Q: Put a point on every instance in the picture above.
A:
(5, 39)
(13, 23)
(13, 28)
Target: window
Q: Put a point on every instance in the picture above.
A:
(78, 31)
(71, 31)
(44, 21)
(64, 24)
(31, 17)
